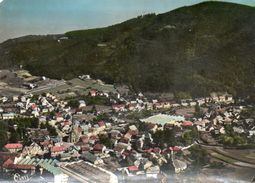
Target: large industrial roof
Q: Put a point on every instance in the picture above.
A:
(163, 119)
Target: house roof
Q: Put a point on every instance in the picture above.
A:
(101, 123)
(8, 162)
(98, 147)
(163, 119)
(156, 150)
(13, 146)
(57, 148)
(21, 167)
(4, 156)
(118, 105)
(92, 137)
(175, 148)
(187, 123)
(89, 157)
(133, 168)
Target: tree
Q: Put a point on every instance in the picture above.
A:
(199, 155)
(198, 112)
(3, 134)
(52, 130)
(167, 136)
(182, 95)
(74, 103)
(189, 136)
(14, 137)
(105, 140)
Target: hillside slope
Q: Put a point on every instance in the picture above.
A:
(202, 48)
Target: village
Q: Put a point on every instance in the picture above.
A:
(87, 131)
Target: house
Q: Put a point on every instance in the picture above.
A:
(118, 107)
(154, 101)
(187, 123)
(45, 110)
(179, 165)
(151, 127)
(152, 172)
(93, 93)
(22, 111)
(132, 106)
(37, 135)
(222, 98)
(115, 134)
(132, 169)
(92, 139)
(120, 148)
(238, 130)
(4, 99)
(175, 148)
(192, 103)
(33, 149)
(147, 164)
(159, 105)
(13, 148)
(10, 115)
(184, 103)
(200, 101)
(175, 104)
(128, 136)
(15, 98)
(87, 156)
(57, 150)
(99, 148)
(251, 133)
(101, 124)
(133, 130)
(167, 105)
(84, 139)
(82, 103)
(149, 106)
(229, 98)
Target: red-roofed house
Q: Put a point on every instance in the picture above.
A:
(20, 167)
(187, 123)
(156, 150)
(128, 136)
(159, 105)
(133, 130)
(132, 107)
(45, 143)
(133, 169)
(9, 164)
(92, 139)
(56, 150)
(148, 150)
(93, 92)
(118, 107)
(99, 148)
(101, 124)
(175, 148)
(4, 156)
(33, 106)
(14, 147)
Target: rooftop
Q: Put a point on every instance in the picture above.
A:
(163, 119)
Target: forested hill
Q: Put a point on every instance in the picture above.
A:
(201, 48)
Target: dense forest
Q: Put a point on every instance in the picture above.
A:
(197, 49)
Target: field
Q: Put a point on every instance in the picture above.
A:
(72, 88)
